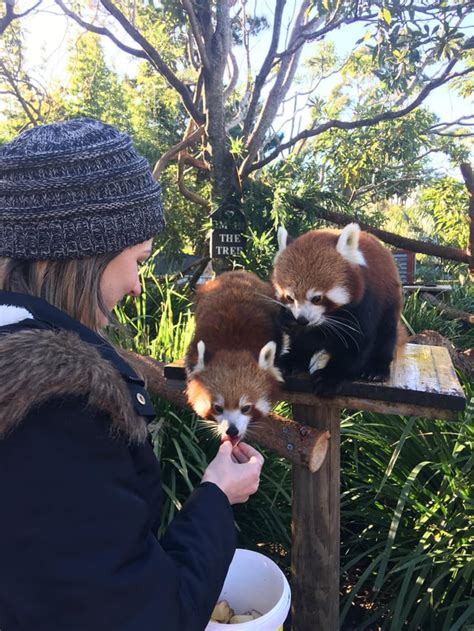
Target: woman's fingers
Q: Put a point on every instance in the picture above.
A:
(239, 455)
(251, 454)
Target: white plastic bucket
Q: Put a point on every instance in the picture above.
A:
(255, 582)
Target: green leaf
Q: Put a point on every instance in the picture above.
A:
(385, 15)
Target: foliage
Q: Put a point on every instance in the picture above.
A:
(93, 89)
(201, 60)
(389, 160)
(407, 534)
(446, 200)
(421, 315)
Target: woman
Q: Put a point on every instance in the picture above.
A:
(80, 487)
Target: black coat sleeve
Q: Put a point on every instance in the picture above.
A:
(77, 547)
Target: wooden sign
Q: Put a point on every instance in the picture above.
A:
(228, 226)
(226, 242)
(406, 263)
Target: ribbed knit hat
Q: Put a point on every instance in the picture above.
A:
(75, 189)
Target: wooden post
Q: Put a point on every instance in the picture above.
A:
(315, 529)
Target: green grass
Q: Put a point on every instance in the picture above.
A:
(421, 315)
(407, 520)
(407, 527)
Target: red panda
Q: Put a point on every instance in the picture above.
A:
(342, 301)
(230, 364)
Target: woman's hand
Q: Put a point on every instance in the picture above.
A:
(236, 471)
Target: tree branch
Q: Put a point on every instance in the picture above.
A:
(277, 94)
(364, 122)
(342, 219)
(166, 158)
(305, 37)
(265, 69)
(27, 107)
(450, 312)
(234, 76)
(99, 30)
(196, 31)
(156, 60)
(189, 160)
(370, 187)
(191, 195)
(469, 182)
(10, 14)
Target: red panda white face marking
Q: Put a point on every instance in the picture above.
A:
(339, 296)
(311, 310)
(234, 422)
(234, 389)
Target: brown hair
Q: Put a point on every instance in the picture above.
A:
(70, 285)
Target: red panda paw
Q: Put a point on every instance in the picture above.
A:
(375, 374)
(325, 386)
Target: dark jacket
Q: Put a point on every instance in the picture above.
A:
(80, 491)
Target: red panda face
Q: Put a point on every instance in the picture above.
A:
(318, 273)
(311, 307)
(232, 390)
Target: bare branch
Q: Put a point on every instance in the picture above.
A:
(191, 195)
(364, 122)
(399, 167)
(246, 44)
(156, 60)
(307, 36)
(277, 93)
(454, 134)
(450, 312)
(463, 120)
(99, 30)
(384, 183)
(174, 151)
(34, 116)
(196, 31)
(234, 76)
(191, 51)
(10, 14)
(265, 69)
(190, 160)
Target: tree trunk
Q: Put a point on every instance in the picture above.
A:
(224, 180)
(218, 47)
(469, 181)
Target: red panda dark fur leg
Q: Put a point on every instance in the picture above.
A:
(378, 365)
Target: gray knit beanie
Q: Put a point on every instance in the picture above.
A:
(75, 189)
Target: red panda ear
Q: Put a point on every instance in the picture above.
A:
(266, 360)
(283, 239)
(199, 367)
(348, 244)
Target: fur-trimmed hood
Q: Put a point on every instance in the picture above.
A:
(40, 360)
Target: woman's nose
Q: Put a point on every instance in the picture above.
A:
(136, 290)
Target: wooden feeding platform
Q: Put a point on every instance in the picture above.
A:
(422, 383)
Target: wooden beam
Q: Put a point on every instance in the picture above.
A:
(422, 382)
(301, 444)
